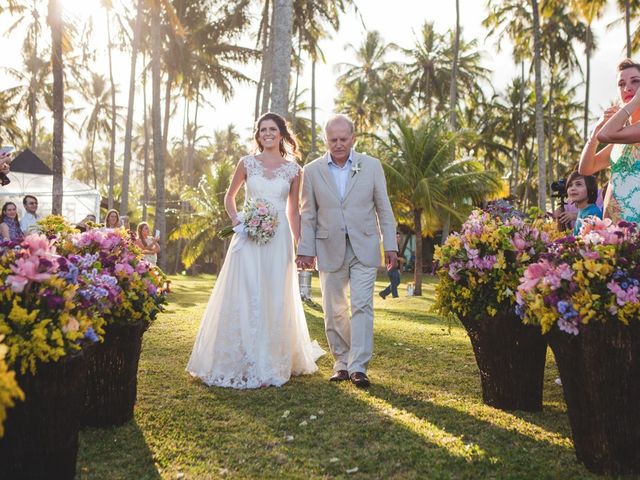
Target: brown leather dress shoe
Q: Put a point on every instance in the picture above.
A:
(339, 376)
(360, 380)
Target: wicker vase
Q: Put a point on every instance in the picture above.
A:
(511, 358)
(112, 376)
(600, 371)
(41, 433)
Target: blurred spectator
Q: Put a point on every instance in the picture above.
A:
(148, 244)
(9, 223)
(394, 278)
(85, 223)
(112, 220)
(31, 216)
(5, 159)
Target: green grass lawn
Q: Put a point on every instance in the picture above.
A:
(422, 417)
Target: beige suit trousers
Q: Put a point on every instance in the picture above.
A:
(351, 342)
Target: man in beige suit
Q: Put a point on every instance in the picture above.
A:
(345, 207)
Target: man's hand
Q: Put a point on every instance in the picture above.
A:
(305, 262)
(391, 259)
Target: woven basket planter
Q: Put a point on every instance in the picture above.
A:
(41, 433)
(112, 376)
(511, 358)
(600, 371)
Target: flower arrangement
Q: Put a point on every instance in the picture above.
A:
(592, 277)
(258, 221)
(49, 305)
(55, 226)
(479, 267)
(9, 389)
(139, 288)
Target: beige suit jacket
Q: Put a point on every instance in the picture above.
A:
(364, 213)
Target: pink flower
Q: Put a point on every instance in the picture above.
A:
(254, 222)
(262, 210)
(533, 274)
(124, 268)
(519, 243)
(38, 245)
(26, 270)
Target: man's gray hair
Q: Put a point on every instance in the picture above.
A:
(339, 117)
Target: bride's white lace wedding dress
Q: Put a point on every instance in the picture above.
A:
(253, 331)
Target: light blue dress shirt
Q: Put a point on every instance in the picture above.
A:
(340, 174)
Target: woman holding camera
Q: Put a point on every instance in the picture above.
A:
(622, 199)
(148, 244)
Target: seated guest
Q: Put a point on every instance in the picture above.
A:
(31, 217)
(112, 220)
(582, 191)
(9, 223)
(148, 244)
(85, 223)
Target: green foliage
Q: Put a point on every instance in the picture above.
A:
(207, 218)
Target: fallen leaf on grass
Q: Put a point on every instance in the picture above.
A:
(312, 417)
(286, 414)
(352, 470)
(289, 438)
(320, 412)
(334, 460)
(302, 423)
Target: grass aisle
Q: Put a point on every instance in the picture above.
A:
(422, 418)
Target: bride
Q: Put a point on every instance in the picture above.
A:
(253, 332)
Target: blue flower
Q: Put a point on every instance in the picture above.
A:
(90, 335)
(563, 306)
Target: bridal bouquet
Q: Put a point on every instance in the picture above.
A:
(258, 221)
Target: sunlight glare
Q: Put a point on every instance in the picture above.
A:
(83, 9)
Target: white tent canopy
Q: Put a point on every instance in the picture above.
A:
(78, 200)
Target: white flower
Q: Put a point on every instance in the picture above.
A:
(355, 168)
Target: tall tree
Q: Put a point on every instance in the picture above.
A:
(453, 92)
(54, 19)
(108, 5)
(281, 57)
(126, 168)
(537, 62)
(590, 10)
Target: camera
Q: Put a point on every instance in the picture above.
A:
(559, 188)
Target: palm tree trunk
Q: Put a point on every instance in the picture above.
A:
(112, 149)
(126, 168)
(627, 21)
(92, 158)
(519, 127)
(446, 227)
(294, 111)
(453, 88)
(314, 135)
(156, 127)
(587, 85)
(33, 114)
(281, 61)
(167, 111)
(145, 126)
(263, 70)
(417, 267)
(542, 177)
(550, 128)
(267, 59)
(56, 24)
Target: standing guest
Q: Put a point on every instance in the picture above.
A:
(345, 211)
(9, 223)
(148, 244)
(620, 127)
(112, 219)
(31, 217)
(394, 277)
(5, 160)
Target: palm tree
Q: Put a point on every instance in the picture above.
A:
(629, 9)
(108, 5)
(424, 179)
(98, 123)
(590, 10)
(54, 19)
(135, 46)
(537, 62)
(453, 92)
(281, 41)
(208, 216)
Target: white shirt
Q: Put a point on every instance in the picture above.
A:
(28, 221)
(340, 174)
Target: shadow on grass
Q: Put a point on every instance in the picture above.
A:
(118, 453)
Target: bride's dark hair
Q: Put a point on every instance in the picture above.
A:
(288, 145)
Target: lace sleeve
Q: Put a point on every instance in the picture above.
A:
(291, 170)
